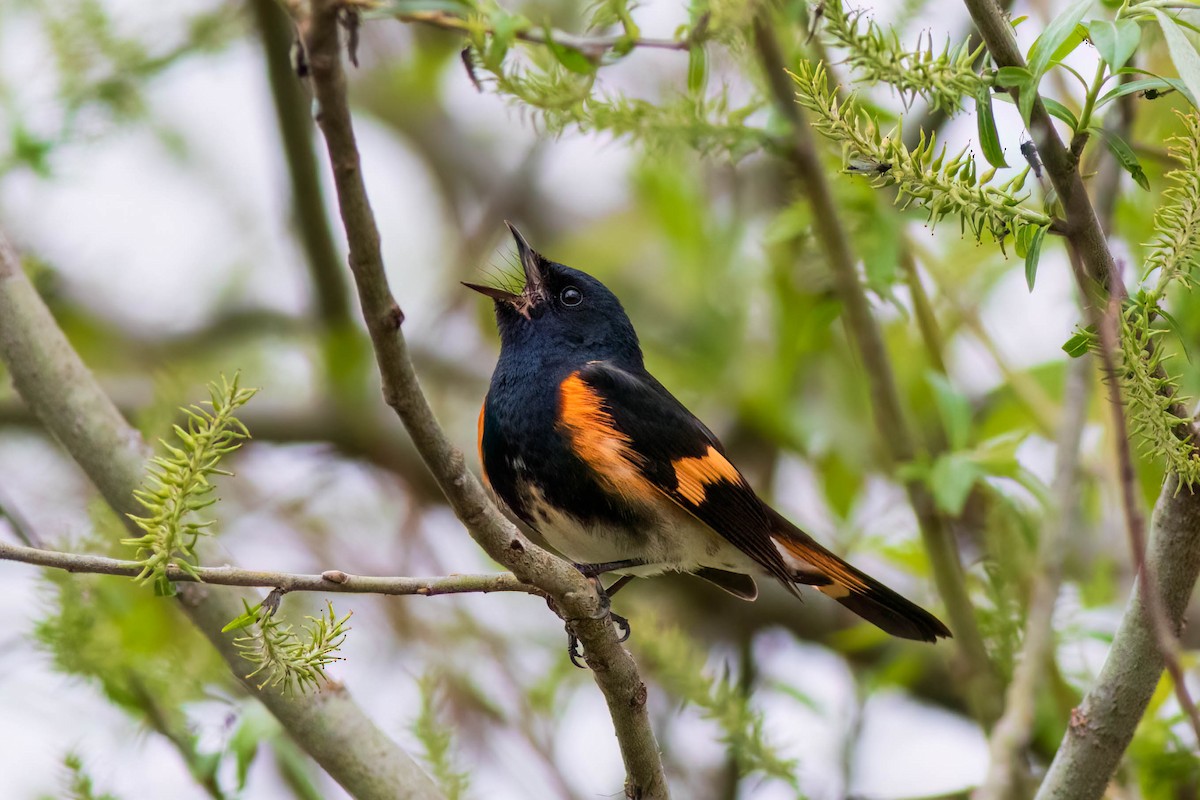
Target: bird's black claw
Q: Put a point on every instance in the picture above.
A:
(573, 650)
(623, 629)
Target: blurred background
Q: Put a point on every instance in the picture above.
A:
(177, 235)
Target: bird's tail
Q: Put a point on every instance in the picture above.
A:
(857, 591)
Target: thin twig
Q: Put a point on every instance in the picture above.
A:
(573, 596)
(591, 46)
(332, 580)
(983, 684)
(18, 523)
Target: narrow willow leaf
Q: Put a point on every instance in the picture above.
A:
(1057, 109)
(1177, 329)
(396, 8)
(1060, 29)
(1076, 38)
(1025, 102)
(697, 77)
(954, 408)
(1158, 85)
(1115, 41)
(1080, 343)
(245, 619)
(951, 479)
(570, 57)
(989, 139)
(1183, 54)
(1125, 156)
(1033, 253)
(1013, 76)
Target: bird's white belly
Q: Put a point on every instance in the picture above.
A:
(674, 542)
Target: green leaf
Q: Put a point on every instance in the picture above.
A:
(1026, 85)
(1057, 33)
(1077, 37)
(1079, 343)
(989, 139)
(697, 77)
(954, 409)
(505, 27)
(1183, 54)
(1125, 156)
(394, 8)
(1032, 254)
(570, 57)
(1115, 41)
(1158, 84)
(245, 620)
(255, 726)
(1009, 77)
(951, 479)
(1177, 329)
(1057, 109)
(879, 246)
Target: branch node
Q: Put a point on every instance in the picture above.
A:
(639, 696)
(335, 576)
(395, 316)
(1079, 721)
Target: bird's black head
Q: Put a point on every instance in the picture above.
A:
(562, 315)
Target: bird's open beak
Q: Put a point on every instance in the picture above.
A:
(531, 265)
(531, 262)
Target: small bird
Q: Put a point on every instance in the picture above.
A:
(589, 450)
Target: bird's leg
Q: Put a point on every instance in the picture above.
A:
(592, 570)
(592, 573)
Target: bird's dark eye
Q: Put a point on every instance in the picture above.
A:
(570, 296)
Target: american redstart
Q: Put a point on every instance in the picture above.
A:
(593, 453)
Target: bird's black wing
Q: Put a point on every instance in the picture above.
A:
(634, 434)
(631, 430)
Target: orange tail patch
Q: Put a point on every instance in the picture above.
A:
(854, 589)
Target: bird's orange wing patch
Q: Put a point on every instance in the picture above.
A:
(595, 438)
(843, 577)
(694, 475)
(479, 443)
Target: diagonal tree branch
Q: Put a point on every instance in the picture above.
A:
(574, 597)
(54, 382)
(983, 685)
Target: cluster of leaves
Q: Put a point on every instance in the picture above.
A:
(132, 647)
(553, 75)
(1175, 251)
(1151, 392)
(679, 665)
(1174, 254)
(925, 176)
(79, 785)
(100, 74)
(177, 485)
(286, 659)
(1165, 760)
(942, 77)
